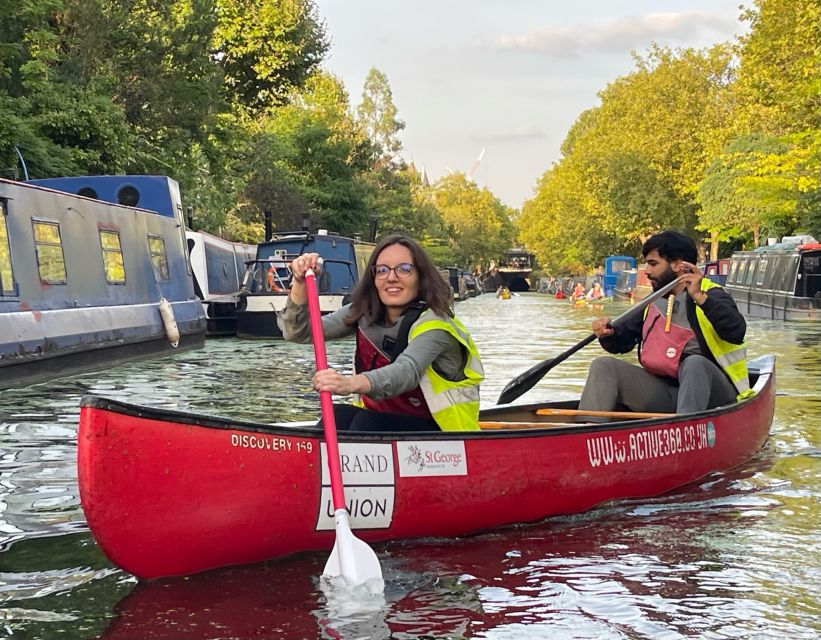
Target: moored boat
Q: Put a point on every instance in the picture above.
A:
(782, 282)
(218, 267)
(264, 287)
(171, 493)
(93, 272)
(613, 267)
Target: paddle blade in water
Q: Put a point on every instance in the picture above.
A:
(351, 558)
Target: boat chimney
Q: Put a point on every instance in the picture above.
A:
(268, 224)
(372, 229)
(306, 222)
(191, 218)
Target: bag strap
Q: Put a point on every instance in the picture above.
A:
(412, 313)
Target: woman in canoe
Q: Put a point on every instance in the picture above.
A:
(416, 366)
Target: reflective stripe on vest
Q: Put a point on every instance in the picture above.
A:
(732, 358)
(454, 405)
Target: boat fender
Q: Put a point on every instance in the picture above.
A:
(170, 324)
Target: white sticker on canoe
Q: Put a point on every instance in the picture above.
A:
(431, 458)
(361, 462)
(368, 508)
(367, 474)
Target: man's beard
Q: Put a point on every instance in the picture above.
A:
(664, 279)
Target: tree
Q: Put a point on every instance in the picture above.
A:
(377, 115)
(267, 48)
(479, 225)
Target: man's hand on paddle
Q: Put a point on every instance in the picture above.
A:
(691, 277)
(602, 328)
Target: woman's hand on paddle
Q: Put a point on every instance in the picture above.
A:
(304, 262)
(340, 385)
(602, 328)
(299, 266)
(691, 277)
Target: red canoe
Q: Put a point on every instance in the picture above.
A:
(170, 493)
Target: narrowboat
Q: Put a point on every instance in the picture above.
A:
(93, 272)
(716, 270)
(513, 272)
(781, 282)
(625, 287)
(172, 493)
(264, 290)
(456, 279)
(219, 268)
(613, 266)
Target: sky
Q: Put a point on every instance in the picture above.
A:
(510, 77)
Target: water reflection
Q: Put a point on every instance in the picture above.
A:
(737, 556)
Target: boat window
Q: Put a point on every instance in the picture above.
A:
(812, 274)
(790, 266)
(112, 257)
(733, 271)
(6, 274)
(616, 266)
(48, 244)
(129, 196)
(777, 266)
(742, 270)
(748, 279)
(159, 259)
(761, 274)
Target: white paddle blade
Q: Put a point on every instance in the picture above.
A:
(351, 558)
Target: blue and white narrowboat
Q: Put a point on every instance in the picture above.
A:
(93, 271)
(265, 286)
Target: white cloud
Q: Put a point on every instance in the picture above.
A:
(634, 32)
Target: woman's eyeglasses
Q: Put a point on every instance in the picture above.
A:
(402, 270)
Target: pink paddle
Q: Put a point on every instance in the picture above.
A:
(350, 558)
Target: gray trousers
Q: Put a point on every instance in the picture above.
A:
(614, 384)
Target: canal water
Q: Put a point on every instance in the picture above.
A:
(737, 555)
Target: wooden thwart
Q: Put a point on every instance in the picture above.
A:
(602, 414)
(530, 425)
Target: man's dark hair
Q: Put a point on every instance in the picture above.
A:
(671, 245)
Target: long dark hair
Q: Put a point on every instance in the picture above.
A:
(433, 288)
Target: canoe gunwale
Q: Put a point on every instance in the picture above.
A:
(763, 366)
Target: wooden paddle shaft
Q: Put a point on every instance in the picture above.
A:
(530, 425)
(601, 414)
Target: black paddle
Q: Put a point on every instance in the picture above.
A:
(525, 381)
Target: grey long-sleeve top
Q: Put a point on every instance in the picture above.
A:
(435, 347)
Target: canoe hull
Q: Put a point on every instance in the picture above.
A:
(167, 493)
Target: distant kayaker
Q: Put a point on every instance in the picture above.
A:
(691, 344)
(596, 292)
(578, 292)
(416, 366)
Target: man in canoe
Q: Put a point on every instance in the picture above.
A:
(690, 345)
(416, 366)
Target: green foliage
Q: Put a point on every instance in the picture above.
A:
(479, 225)
(779, 85)
(378, 116)
(267, 48)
